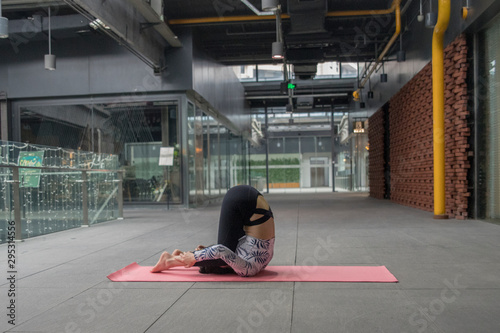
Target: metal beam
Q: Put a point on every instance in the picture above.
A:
(11, 5)
(159, 25)
(121, 21)
(37, 24)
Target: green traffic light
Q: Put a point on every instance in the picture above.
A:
(291, 86)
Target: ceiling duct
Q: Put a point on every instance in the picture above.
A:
(305, 71)
(307, 16)
(307, 25)
(305, 103)
(305, 55)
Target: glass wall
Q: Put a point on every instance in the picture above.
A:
(488, 119)
(299, 151)
(217, 158)
(352, 164)
(274, 72)
(295, 164)
(52, 198)
(134, 131)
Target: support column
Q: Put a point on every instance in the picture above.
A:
(85, 200)
(120, 194)
(17, 203)
(438, 109)
(4, 118)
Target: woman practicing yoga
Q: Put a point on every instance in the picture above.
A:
(245, 240)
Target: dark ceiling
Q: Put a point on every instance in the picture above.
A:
(308, 34)
(233, 34)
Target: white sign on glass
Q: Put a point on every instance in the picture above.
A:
(166, 156)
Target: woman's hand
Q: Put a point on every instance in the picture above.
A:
(187, 258)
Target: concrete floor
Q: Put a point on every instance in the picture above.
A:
(449, 273)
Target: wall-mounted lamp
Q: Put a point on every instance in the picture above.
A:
(269, 5)
(50, 59)
(4, 24)
(383, 76)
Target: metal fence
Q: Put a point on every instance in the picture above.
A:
(69, 190)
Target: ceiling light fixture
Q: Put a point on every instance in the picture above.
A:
(277, 49)
(401, 55)
(431, 17)
(278, 46)
(420, 16)
(370, 92)
(4, 24)
(383, 76)
(269, 5)
(50, 59)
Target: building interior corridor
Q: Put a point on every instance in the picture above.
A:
(372, 127)
(448, 272)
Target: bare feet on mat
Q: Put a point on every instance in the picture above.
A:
(166, 261)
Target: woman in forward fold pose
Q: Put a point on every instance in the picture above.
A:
(245, 239)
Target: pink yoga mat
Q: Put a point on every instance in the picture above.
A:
(136, 273)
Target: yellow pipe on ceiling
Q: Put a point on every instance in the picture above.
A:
(271, 16)
(219, 19)
(438, 108)
(396, 4)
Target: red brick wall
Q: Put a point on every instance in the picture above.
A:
(411, 145)
(376, 157)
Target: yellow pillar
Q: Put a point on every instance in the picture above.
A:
(438, 108)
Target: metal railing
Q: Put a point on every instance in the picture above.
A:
(62, 200)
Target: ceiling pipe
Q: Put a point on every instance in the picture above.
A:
(438, 108)
(270, 16)
(255, 10)
(396, 5)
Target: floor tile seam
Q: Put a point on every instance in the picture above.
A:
(239, 288)
(49, 309)
(168, 308)
(292, 310)
(295, 263)
(163, 249)
(87, 254)
(411, 299)
(59, 233)
(441, 288)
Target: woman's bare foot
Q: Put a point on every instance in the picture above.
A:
(166, 261)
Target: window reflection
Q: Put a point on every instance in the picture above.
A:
(134, 131)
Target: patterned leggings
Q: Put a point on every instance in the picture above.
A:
(252, 255)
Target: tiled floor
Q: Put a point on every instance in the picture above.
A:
(449, 273)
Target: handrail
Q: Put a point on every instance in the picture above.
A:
(57, 168)
(17, 184)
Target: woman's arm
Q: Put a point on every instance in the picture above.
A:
(238, 264)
